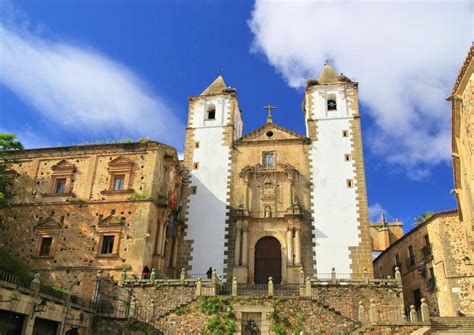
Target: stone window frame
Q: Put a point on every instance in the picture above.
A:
(99, 242)
(61, 170)
(39, 236)
(110, 226)
(48, 227)
(274, 159)
(117, 167)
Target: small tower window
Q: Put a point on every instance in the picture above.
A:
(331, 102)
(211, 112)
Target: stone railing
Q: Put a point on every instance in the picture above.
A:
(35, 288)
(334, 278)
(183, 279)
(214, 286)
(379, 314)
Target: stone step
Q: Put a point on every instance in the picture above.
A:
(452, 325)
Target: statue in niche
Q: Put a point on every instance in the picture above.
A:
(251, 328)
(267, 211)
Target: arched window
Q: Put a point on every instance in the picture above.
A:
(331, 103)
(211, 112)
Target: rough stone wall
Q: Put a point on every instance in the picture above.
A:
(346, 300)
(454, 278)
(165, 300)
(462, 100)
(77, 220)
(451, 290)
(412, 279)
(316, 315)
(75, 257)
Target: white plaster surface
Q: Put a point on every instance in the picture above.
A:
(334, 204)
(207, 208)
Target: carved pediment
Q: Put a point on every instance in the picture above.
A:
(121, 161)
(111, 221)
(270, 132)
(63, 167)
(48, 223)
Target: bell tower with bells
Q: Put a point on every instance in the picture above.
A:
(339, 198)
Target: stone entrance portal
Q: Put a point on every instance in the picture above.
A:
(267, 260)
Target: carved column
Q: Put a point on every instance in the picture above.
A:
(246, 192)
(289, 242)
(237, 245)
(290, 189)
(297, 246)
(244, 246)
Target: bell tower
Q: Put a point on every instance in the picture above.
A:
(341, 237)
(214, 122)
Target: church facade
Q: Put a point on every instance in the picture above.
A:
(273, 202)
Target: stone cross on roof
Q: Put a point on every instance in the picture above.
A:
(269, 108)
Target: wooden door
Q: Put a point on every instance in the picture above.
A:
(267, 260)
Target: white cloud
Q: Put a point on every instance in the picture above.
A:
(80, 90)
(375, 211)
(405, 55)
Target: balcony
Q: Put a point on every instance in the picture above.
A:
(410, 262)
(426, 251)
(431, 284)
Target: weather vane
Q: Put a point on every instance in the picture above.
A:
(269, 108)
(220, 71)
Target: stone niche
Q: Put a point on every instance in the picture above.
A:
(258, 313)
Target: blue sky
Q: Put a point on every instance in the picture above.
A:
(87, 71)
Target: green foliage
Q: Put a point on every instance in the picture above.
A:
(210, 305)
(13, 265)
(423, 217)
(8, 146)
(282, 325)
(138, 196)
(217, 326)
(299, 325)
(181, 310)
(221, 322)
(229, 326)
(279, 329)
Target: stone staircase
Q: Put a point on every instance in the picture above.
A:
(452, 325)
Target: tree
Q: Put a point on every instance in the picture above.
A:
(423, 217)
(8, 146)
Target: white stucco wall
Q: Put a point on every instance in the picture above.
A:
(207, 208)
(334, 207)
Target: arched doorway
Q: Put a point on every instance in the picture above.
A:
(267, 260)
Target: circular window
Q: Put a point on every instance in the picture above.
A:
(269, 133)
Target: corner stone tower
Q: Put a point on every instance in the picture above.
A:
(214, 121)
(341, 236)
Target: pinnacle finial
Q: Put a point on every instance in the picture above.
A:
(382, 217)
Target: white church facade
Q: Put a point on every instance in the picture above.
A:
(273, 202)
